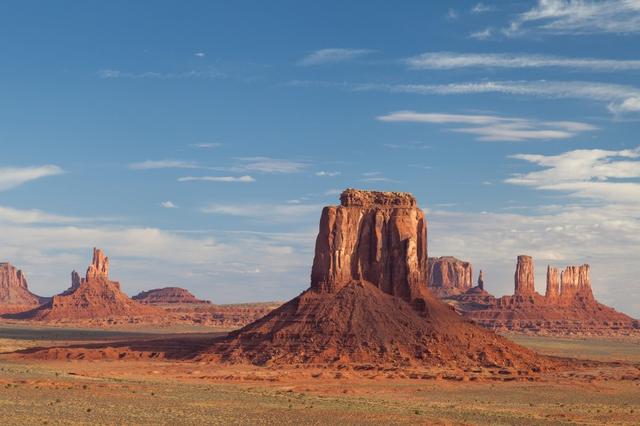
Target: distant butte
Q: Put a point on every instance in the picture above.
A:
(168, 295)
(91, 298)
(567, 308)
(14, 291)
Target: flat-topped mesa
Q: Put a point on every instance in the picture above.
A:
(358, 198)
(524, 284)
(575, 284)
(379, 237)
(552, 293)
(99, 267)
(449, 275)
(168, 295)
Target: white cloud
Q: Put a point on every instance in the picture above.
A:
(111, 74)
(11, 177)
(327, 56)
(200, 54)
(242, 179)
(269, 165)
(328, 174)
(452, 60)
(578, 17)
(163, 164)
(11, 215)
(482, 8)
(168, 205)
(267, 212)
(619, 98)
(595, 174)
(452, 15)
(493, 127)
(485, 34)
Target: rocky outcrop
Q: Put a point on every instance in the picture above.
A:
(481, 280)
(168, 295)
(14, 291)
(568, 307)
(378, 237)
(368, 301)
(75, 280)
(448, 275)
(524, 284)
(93, 298)
(99, 267)
(553, 285)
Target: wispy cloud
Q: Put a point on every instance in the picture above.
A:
(595, 174)
(268, 165)
(375, 177)
(112, 74)
(32, 216)
(11, 177)
(452, 60)
(328, 56)
(327, 174)
(452, 15)
(206, 145)
(224, 179)
(485, 34)
(619, 98)
(168, 205)
(267, 212)
(482, 8)
(494, 127)
(163, 164)
(578, 17)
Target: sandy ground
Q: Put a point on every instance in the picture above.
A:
(163, 392)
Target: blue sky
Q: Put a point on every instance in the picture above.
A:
(196, 143)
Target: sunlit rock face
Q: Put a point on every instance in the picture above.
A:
(378, 237)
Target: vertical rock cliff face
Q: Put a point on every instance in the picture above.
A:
(481, 280)
(576, 285)
(14, 291)
(524, 284)
(378, 237)
(553, 285)
(448, 275)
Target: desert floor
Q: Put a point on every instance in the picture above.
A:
(169, 392)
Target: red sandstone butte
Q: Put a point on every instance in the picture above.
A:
(92, 298)
(368, 301)
(14, 291)
(448, 276)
